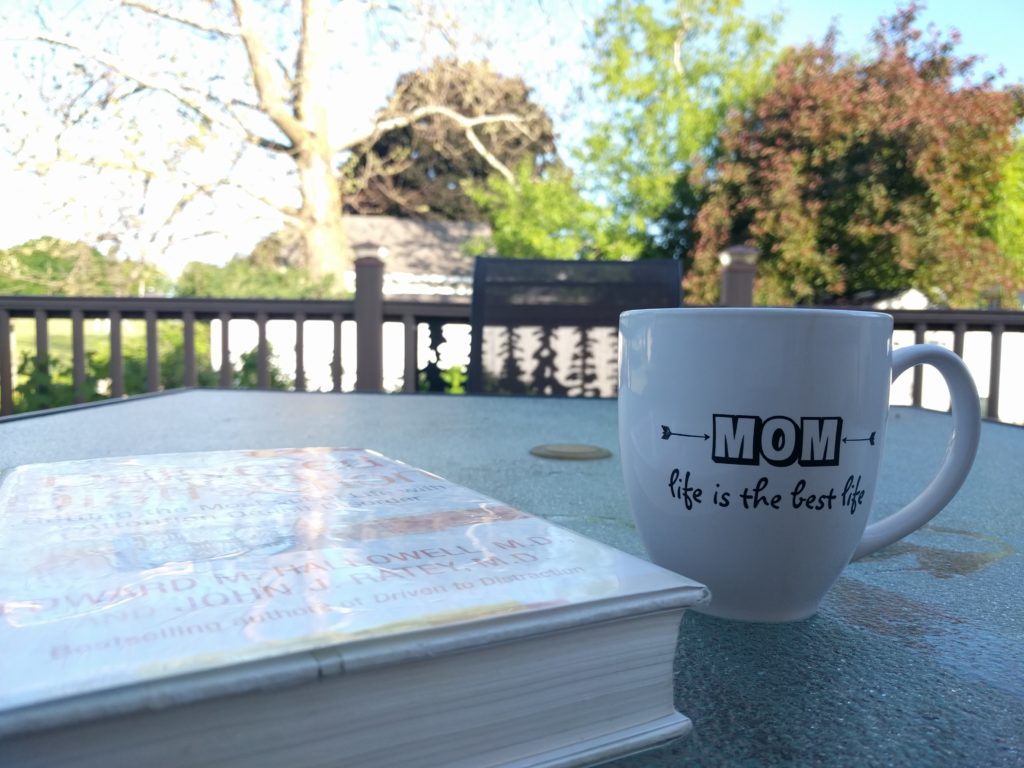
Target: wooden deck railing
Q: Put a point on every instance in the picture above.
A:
(369, 317)
(994, 322)
(191, 312)
(151, 311)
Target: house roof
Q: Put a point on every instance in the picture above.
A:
(418, 247)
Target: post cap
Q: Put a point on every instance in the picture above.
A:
(738, 254)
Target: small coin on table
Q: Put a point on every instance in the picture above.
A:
(573, 451)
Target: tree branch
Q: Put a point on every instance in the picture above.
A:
(466, 123)
(429, 110)
(677, 44)
(489, 157)
(225, 118)
(274, 101)
(184, 20)
(152, 81)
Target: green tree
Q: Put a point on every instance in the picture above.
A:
(668, 76)
(256, 276)
(546, 217)
(418, 169)
(50, 385)
(856, 174)
(48, 266)
(247, 373)
(1008, 227)
(250, 80)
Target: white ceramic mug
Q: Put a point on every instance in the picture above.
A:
(751, 441)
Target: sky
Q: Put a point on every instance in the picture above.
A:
(989, 28)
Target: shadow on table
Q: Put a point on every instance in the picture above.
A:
(874, 678)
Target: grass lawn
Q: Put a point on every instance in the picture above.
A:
(97, 336)
(97, 343)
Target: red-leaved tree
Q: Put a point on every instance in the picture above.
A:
(855, 174)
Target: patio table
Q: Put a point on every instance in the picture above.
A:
(915, 658)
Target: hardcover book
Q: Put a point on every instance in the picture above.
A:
(317, 607)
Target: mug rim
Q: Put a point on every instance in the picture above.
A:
(760, 311)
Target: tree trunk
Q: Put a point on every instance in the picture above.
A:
(327, 248)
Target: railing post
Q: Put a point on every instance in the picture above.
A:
(336, 321)
(116, 355)
(300, 352)
(42, 342)
(78, 355)
(152, 352)
(262, 352)
(6, 364)
(995, 371)
(739, 267)
(369, 310)
(188, 320)
(410, 375)
(917, 390)
(227, 371)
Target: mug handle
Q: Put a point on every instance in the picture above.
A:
(959, 455)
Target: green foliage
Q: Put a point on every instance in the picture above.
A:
(50, 385)
(546, 217)
(51, 267)
(854, 174)
(1008, 226)
(453, 381)
(417, 170)
(247, 375)
(257, 276)
(668, 76)
(171, 352)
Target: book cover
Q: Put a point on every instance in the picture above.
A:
(116, 574)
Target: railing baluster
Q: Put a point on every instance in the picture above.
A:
(116, 356)
(995, 365)
(410, 375)
(6, 377)
(152, 353)
(336, 358)
(42, 341)
(959, 332)
(188, 318)
(262, 352)
(918, 391)
(300, 363)
(78, 356)
(226, 371)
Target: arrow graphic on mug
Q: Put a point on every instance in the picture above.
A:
(666, 433)
(870, 439)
